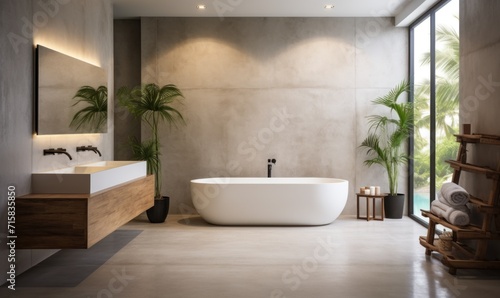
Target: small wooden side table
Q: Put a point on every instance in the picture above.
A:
(373, 198)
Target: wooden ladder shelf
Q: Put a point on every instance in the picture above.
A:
(461, 256)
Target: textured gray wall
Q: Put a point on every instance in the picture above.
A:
(480, 85)
(81, 28)
(15, 116)
(294, 89)
(127, 56)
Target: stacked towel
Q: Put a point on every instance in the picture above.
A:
(453, 194)
(451, 204)
(457, 215)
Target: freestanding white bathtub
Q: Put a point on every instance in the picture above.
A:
(269, 201)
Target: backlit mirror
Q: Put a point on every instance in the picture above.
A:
(71, 95)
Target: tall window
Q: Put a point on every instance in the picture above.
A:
(434, 73)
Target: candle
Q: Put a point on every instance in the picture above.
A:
(372, 190)
(377, 190)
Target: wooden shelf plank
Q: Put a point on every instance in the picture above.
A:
(490, 173)
(489, 141)
(478, 138)
(477, 201)
(464, 249)
(454, 253)
(482, 206)
(468, 138)
(472, 264)
(462, 232)
(459, 257)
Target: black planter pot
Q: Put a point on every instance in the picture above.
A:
(158, 213)
(394, 205)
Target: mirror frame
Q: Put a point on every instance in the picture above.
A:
(58, 77)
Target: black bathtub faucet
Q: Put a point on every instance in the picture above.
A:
(270, 163)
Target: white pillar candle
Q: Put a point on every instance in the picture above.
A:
(372, 190)
(377, 190)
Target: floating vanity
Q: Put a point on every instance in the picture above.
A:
(78, 206)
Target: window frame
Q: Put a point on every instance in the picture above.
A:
(431, 14)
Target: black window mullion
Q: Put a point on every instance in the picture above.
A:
(411, 142)
(432, 103)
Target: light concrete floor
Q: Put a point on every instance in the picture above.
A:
(185, 257)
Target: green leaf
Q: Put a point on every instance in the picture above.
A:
(154, 106)
(93, 116)
(388, 133)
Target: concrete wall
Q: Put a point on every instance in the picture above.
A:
(127, 56)
(80, 28)
(480, 85)
(294, 89)
(15, 118)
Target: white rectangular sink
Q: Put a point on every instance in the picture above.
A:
(87, 178)
(108, 163)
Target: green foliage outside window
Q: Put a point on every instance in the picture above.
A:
(447, 109)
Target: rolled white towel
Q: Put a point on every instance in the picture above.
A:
(453, 194)
(458, 218)
(437, 211)
(458, 215)
(447, 208)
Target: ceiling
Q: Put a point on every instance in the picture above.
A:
(259, 8)
(403, 11)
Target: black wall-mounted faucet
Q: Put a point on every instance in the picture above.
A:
(270, 163)
(53, 151)
(88, 148)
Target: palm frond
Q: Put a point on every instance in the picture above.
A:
(388, 133)
(146, 151)
(154, 106)
(390, 99)
(95, 113)
(377, 154)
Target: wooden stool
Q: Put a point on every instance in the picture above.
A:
(373, 198)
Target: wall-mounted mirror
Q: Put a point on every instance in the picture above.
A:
(71, 95)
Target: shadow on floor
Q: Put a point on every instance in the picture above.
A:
(194, 220)
(78, 263)
(198, 221)
(467, 274)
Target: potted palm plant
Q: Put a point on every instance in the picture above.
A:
(93, 116)
(386, 140)
(153, 105)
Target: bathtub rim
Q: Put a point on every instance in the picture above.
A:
(269, 181)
